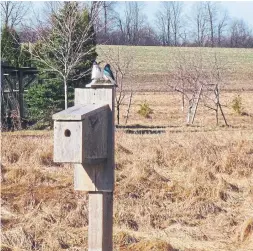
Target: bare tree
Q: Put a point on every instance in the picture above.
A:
(169, 22)
(212, 15)
(221, 26)
(176, 20)
(239, 34)
(13, 12)
(129, 105)
(131, 22)
(199, 23)
(95, 9)
(163, 23)
(64, 57)
(189, 77)
(108, 14)
(105, 23)
(199, 84)
(121, 61)
(209, 22)
(212, 93)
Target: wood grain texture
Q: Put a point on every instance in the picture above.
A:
(79, 112)
(104, 172)
(100, 221)
(86, 138)
(80, 134)
(84, 177)
(95, 130)
(68, 149)
(98, 96)
(95, 229)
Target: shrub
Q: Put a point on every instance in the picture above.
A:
(145, 110)
(237, 105)
(44, 100)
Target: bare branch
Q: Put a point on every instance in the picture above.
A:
(63, 41)
(121, 63)
(13, 12)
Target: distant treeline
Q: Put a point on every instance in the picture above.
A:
(203, 24)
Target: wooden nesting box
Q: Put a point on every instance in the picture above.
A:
(80, 134)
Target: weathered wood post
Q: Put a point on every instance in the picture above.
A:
(84, 135)
(21, 95)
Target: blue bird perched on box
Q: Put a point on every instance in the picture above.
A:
(108, 75)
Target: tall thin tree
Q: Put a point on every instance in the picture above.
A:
(66, 44)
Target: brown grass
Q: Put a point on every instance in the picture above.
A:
(247, 230)
(167, 112)
(186, 189)
(177, 190)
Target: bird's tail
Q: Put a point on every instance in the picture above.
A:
(112, 80)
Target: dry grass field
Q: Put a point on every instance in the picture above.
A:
(152, 66)
(177, 187)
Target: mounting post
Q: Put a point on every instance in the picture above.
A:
(84, 135)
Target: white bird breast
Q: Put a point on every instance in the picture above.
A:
(105, 77)
(96, 72)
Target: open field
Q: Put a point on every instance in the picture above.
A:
(188, 190)
(177, 187)
(167, 111)
(152, 66)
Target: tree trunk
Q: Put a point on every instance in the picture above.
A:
(175, 38)
(217, 115)
(66, 93)
(129, 105)
(212, 33)
(118, 107)
(210, 16)
(182, 102)
(189, 114)
(168, 33)
(223, 115)
(219, 37)
(217, 95)
(105, 15)
(196, 106)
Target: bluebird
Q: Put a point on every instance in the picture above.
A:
(108, 75)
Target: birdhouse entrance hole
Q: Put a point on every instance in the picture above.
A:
(67, 133)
